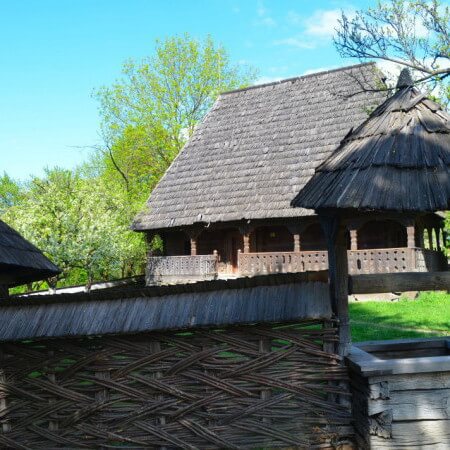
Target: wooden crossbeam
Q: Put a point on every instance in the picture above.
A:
(399, 282)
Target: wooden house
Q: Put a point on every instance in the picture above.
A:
(20, 261)
(223, 208)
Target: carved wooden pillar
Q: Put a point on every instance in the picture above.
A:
(411, 236)
(193, 246)
(246, 230)
(297, 246)
(246, 239)
(353, 239)
(193, 234)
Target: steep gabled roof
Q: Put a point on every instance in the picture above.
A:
(20, 261)
(257, 148)
(397, 160)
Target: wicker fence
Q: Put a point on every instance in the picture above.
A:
(241, 387)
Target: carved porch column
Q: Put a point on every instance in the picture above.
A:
(411, 236)
(246, 230)
(193, 235)
(295, 231)
(353, 239)
(193, 246)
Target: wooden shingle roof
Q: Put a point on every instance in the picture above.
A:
(397, 160)
(258, 147)
(20, 261)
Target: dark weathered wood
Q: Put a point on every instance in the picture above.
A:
(399, 282)
(394, 395)
(336, 235)
(258, 386)
(174, 307)
(433, 434)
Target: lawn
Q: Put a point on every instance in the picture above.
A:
(427, 316)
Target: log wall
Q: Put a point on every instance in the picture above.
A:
(402, 402)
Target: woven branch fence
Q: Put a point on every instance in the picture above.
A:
(242, 387)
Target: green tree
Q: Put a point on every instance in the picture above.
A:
(79, 223)
(148, 114)
(10, 192)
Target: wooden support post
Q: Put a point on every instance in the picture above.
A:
(353, 239)
(411, 236)
(193, 246)
(297, 246)
(335, 233)
(246, 239)
(246, 230)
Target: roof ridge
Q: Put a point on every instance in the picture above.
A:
(300, 77)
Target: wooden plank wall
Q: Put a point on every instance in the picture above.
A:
(398, 412)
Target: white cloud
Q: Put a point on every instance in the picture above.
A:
(323, 23)
(314, 30)
(264, 17)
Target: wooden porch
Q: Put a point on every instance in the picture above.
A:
(392, 245)
(171, 269)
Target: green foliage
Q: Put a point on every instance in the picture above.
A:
(10, 192)
(148, 114)
(81, 218)
(79, 223)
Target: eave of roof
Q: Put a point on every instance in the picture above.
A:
(397, 160)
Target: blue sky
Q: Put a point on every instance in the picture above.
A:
(54, 53)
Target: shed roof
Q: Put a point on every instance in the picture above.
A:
(20, 261)
(397, 160)
(257, 148)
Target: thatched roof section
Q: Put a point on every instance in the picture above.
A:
(264, 299)
(258, 147)
(20, 261)
(397, 160)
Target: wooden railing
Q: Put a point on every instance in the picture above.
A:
(282, 262)
(395, 260)
(388, 260)
(181, 268)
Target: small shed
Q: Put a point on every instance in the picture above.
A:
(20, 261)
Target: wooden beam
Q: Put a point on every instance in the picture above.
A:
(336, 234)
(399, 282)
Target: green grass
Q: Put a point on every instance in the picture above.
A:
(427, 316)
